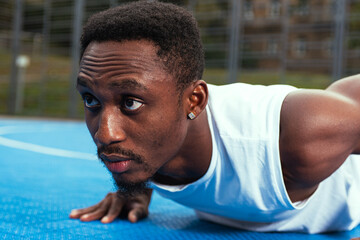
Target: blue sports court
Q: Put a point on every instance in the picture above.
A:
(49, 167)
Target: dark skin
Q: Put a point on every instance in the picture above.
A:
(126, 89)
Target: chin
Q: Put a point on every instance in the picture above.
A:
(130, 188)
(131, 179)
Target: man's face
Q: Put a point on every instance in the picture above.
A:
(132, 109)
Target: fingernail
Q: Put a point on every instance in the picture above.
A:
(104, 219)
(73, 212)
(133, 217)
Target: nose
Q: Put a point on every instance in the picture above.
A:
(110, 128)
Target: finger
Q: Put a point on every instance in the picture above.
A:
(137, 214)
(114, 211)
(98, 213)
(77, 213)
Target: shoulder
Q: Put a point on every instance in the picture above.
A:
(348, 87)
(319, 129)
(309, 111)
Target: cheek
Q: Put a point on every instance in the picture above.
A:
(168, 137)
(159, 139)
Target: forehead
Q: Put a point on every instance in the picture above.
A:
(140, 54)
(111, 60)
(138, 47)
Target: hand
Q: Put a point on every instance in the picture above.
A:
(114, 205)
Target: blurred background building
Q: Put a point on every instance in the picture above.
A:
(306, 43)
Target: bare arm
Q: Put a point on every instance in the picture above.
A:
(114, 205)
(319, 129)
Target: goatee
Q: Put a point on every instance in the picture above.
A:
(126, 188)
(131, 189)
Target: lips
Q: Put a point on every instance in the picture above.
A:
(115, 163)
(118, 167)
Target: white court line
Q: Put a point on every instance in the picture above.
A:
(38, 148)
(23, 129)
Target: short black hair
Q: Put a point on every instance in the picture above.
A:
(171, 28)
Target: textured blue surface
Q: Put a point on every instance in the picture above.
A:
(38, 190)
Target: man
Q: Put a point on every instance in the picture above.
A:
(259, 158)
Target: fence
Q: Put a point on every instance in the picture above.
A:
(308, 43)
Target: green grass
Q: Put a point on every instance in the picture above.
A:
(54, 102)
(46, 90)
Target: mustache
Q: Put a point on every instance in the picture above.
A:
(124, 152)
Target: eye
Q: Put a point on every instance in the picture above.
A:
(132, 104)
(90, 101)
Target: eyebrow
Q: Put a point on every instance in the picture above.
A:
(127, 84)
(83, 82)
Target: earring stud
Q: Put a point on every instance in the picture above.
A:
(191, 115)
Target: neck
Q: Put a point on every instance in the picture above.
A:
(193, 159)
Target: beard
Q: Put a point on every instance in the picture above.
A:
(124, 188)
(130, 189)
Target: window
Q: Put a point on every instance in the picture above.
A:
(328, 47)
(272, 46)
(300, 47)
(248, 10)
(274, 9)
(303, 7)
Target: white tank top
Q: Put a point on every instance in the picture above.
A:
(244, 187)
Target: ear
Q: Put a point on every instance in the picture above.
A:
(196, 96)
